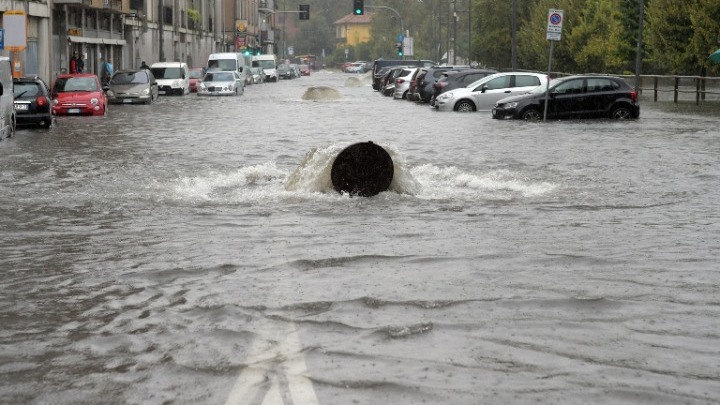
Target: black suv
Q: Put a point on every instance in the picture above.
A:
(32, 101)
(573, 97)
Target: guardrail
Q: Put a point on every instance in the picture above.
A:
(678, 88)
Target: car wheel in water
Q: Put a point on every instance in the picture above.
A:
(620, 113)
(464, 106)
(531, 114)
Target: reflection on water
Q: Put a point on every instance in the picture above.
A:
(193, 251)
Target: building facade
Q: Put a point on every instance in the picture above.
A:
(353, 29)
(128, 32)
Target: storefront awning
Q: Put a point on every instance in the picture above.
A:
(89, 40)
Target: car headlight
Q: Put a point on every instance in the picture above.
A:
(445, 96)
(511, 104)
(176, 83)
(230, 87)
(146, 91)
(94, 101)
(110, 93)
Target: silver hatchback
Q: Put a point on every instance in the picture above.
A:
(482, 95)
(402, 82)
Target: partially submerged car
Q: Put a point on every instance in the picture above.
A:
(221, 83)
(482, 94)
(78, 94)
(32, 102)
(591, 96)
(135, 86)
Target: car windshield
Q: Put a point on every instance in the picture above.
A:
(223, 64)
(219, 77)
(70, 84)
(25, 90)
(196, 74)
(265, 64)
(130, 78)
(167, 72)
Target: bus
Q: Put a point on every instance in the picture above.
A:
(307, 60)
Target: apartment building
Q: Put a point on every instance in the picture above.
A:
(127, 32)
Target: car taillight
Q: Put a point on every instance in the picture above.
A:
(400, 81)
(41, 101)
(633, 96)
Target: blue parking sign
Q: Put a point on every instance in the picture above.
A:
(2, 39)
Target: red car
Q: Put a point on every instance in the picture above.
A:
(78, 94)
(196, 75)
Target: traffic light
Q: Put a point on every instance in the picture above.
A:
(399, 47)
(304, 12)
(247, 52)
(358, 7)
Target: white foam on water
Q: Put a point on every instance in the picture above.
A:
(312, 180)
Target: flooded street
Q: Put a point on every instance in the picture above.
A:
(193, 252)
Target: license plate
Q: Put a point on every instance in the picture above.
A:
(21, 107)
(494, 112)
(127, 100)
(161, 92)
(74, 111)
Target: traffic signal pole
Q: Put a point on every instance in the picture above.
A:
(402, 26)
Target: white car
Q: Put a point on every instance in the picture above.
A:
(221, 83)
(482, 95)
(402, 82)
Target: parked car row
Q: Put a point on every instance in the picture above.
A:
(516, 95)
(36, 103)
(290, 71)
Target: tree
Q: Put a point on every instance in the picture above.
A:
(534, 47)
(668, 34)
(601, 38)
(705, 19)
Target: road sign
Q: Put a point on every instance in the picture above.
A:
(554, 24)
(408, 46)
(400, 37)
(15, 25)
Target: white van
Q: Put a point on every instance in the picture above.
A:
(172, 77)
(7, 99)
(229, 61)
(268, 63)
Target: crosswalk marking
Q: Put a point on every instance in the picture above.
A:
(275, 376)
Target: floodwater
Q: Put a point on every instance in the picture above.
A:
(193, 252)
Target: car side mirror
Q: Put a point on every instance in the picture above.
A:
(240, 69)
(484, 88)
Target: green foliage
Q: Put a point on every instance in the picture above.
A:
(668, 34)
(598, 35)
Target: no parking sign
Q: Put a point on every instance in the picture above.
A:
(554, 24)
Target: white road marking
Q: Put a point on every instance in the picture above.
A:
(275, 376)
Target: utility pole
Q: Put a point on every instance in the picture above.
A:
(162, 31)
(638, 51)
(513, 29)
